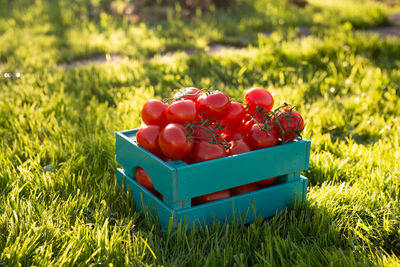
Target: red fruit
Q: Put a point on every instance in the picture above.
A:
(203, 134)
(182, 111)
(267, 182)
(292, 124)
(173, 141)
(244, 189)
(153, 113)
(211, 197)
(238, 147)
(258, 97)
(189, 93)
(143, 178)
(204, 151)
(258, 138)
(215, 105)
(230, 135)
(247, 126)
(235, 116)
(147, 137)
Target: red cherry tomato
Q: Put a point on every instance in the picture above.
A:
(143, 178)
(229, 135)
(244, 189)
(235, 116)
(267, 182)
(215, 105)
(258, 97)
(182, 111)
(153, 113)
(237, 136)
(147, 137)
(189, 93)
(257, 138)
(202, 134)
(206, 151)
(211, 197)
(238, 146)
(291, 121)
(173, 141)
(251, 122)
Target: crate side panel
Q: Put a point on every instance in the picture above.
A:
(244, 208)
(145, 200)
(132, 156)
(211, 176)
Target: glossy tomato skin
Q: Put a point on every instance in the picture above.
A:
(228, 135)
(211, 197)
(183, 111)
(147, 137)
(188, 93)
(204, 151)
(244, 189)
(153, 113)
(203, 134)
(257, 138)
(267, 182)
(237, 136)
(235, 116)
(247, 126)
(143, 178)
(290, 121)
(258, 97)
(173, 142)
(215, 105)
(238, 147)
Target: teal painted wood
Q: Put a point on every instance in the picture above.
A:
(244, 208)
(144, 199)
(131, 156)
(179, 182)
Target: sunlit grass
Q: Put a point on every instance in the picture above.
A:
(58, 199)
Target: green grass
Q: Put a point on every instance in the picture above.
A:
(58, 199)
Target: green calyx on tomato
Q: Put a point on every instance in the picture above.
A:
(284, 123)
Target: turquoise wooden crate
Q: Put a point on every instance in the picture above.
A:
(244, 208)
(179, 182)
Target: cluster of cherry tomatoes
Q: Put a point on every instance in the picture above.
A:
(199, 125)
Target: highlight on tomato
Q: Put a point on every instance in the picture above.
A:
(215, 105)
(292, 124)
(234, 117)
(153, 113)
(182, 111)
(238, 146)
(261, 136)
(258, 97)
(147, 137)
(205, 150)
(173, 141)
